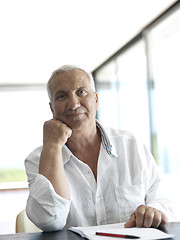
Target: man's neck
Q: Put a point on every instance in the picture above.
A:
(84, 139)
(86, 148)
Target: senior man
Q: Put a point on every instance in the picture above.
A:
(86, 174)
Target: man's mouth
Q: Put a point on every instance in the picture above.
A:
(74, 115)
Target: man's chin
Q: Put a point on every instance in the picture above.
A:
(76, 125)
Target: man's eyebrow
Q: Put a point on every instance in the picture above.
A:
(82, 87)
(60, 91)
(64, 91)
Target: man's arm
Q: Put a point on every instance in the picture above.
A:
(51, 164)
(48, 205)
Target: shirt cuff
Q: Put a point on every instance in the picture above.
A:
(166, 207)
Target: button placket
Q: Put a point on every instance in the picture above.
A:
(100, 208)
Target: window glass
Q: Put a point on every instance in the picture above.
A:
(149, 106)
(123, 93)
(164, 53)
(133, 92)
(107, 88)
(23, 112)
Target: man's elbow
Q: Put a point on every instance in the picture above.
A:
(45, 222)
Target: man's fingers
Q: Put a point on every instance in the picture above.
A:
(131, 222)
(56, 132)
(146, 216)
(149, 218)
(69, 133)
(156, 220)
(164, 220)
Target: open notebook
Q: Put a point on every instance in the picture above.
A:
(142, 233)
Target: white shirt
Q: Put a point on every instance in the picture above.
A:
(127, 176)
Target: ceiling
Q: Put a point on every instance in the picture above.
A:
(38, 36)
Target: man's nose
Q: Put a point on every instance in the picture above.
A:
(73, 102)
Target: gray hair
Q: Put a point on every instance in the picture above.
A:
(67, 68)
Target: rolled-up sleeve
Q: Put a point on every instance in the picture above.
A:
(45, 208)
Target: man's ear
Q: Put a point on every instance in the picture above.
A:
(51, 107)
(96, 100)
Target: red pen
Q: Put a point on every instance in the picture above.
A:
(116, 235)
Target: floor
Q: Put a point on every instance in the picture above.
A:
(11, 203)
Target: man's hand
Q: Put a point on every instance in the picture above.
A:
(56, 132)
(51, 163)
(146, 216)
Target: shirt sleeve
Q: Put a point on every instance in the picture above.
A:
(45, 208)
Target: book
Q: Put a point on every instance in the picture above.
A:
(141, 233)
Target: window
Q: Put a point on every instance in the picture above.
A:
(107, 86)
(164, 58)
(133, 91)
(123, 93)
(139, 91)
(23, 112)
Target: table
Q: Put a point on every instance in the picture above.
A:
(59, 235)
(171, 228)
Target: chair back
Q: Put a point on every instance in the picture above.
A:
(23, 224)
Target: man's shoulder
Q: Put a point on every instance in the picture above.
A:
(34, 155)
(115, 133)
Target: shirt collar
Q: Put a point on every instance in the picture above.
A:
(66, 154)
(106, 143)
(109, 147)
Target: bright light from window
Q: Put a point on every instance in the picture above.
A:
(23, 113)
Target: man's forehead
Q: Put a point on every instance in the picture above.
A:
(71, 74)
(64, 81)
(70, 77)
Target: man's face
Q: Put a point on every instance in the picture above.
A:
(73, 100)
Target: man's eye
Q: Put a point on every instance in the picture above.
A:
(60, 96)
(82, 92)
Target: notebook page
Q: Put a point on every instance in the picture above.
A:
(143, 233)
